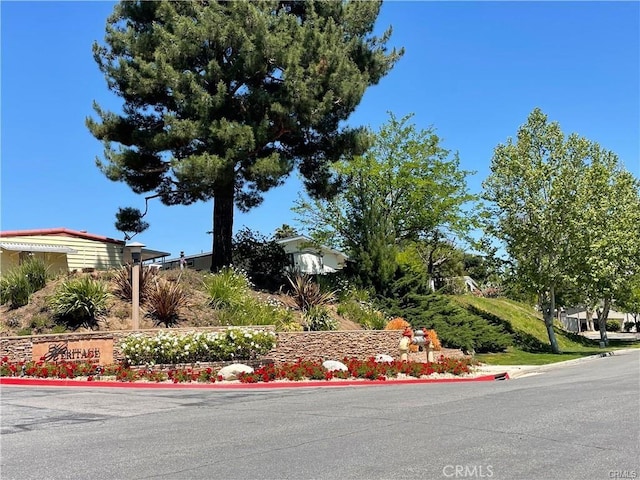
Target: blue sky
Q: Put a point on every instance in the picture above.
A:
(473, 70)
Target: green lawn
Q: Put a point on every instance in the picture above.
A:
(531, 342)
(515, 356)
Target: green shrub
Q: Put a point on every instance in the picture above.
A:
(522, 339)
(15, 289)
(456, 327)
(21, 282)
(264, 260)
(36, 272)
(79, 301)
(40, 324)
(164, 301)
(289, 325)
(628, 326)
(24, 332)
(343, 288)
(250, 311)
(612, 326)
(453, 286)
(363, 314)
(317, 318)
(227, 288)
(12, 322)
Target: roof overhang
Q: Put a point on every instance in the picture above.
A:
(148, 254)
(36, 247)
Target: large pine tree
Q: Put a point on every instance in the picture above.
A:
(223, 100)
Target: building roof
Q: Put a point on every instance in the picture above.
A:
(303, 238)
(62, 232)
(33, 247)
(148, 254)
(282, 241)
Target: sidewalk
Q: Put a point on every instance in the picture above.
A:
(631, 336)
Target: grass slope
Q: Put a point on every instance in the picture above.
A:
(531, 342)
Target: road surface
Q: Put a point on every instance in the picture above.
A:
(574, 422)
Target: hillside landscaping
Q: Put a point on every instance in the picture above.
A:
(526, 328)
(497, 330)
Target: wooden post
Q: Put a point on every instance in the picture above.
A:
(136, 257)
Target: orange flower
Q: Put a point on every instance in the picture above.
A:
(397, 323)
(433, 338)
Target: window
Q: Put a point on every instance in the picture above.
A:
(24, 256)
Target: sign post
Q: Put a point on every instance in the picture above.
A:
(136, 253)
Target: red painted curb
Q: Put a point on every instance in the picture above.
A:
(43, 382)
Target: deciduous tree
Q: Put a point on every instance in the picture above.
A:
(565, 211)
(609, 215)
(628, 299)
(406, 187)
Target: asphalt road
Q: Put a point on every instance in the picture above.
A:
(575, 422)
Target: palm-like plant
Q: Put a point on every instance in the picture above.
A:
(164, 301)
(306, 293)
(122, 280)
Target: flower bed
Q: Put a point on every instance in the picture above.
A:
(190, 347)
(302, 370)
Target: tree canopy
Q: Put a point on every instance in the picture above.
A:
(564, 210)
(284, 231)
(223, 100)
(405, 188)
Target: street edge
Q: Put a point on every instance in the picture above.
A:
(38, 382)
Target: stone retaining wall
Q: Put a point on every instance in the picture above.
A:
(290, 346)
(360, 344)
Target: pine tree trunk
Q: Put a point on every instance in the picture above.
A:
(548, 313)
(602, 322)
(222, 227)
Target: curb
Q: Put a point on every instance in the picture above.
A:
(576, 361)
(37, 382)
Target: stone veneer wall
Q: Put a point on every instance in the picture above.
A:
(21, 348)
(290, 346)
(335, 345)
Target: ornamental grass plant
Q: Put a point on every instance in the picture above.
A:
(317, 318)
(19, 283)
(250, 311)
(123, 286)
(164, 300)
(79, 301)
(228, 287)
